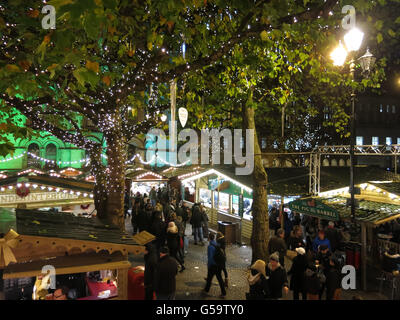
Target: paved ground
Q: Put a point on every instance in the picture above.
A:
(191, 281)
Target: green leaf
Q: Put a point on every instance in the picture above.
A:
(379, 37)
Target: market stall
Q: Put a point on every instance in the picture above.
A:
(142, 180)
(89, 258)
(377, 203)
(35, 189)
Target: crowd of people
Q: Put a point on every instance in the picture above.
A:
(314, 247)
(163, 214)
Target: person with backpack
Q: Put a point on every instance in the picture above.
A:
(214, 265)
(196, 222)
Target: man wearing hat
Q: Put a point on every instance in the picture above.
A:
(297, 281)
(166, 271)
(277, 278)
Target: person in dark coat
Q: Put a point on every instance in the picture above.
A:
(258, 284)
(277, 278)
(150, 265)
(277, 244)
(296, 239)
(143, 219)
(166, 271)
(298, 269)
(173, 242)
(333, 280)
(274, 225)
(323, 264)
(312, 282)
(222, 243)
(158, 230)
(213, 269)
(333, 235)
(197, 224)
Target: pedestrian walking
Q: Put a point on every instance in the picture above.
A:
(150, 265)
(204, 221)
(297, 272)
(153, 196)
(222, 244)
(277, 278)
(197, 226)
(323, 266)
(166, 271)
(274, 224)
(173, 243)
(258, 284)
(158, 230)
(214, 269)
(277, 244)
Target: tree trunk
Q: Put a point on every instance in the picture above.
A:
(260, 232)
(98, 171)
(116, 157)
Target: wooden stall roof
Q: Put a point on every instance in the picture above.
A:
(146, 175)
(392, 187)
(80, 185)
(86, 262)
(66, 226)
(371, 212)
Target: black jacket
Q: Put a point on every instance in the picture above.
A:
(312, 282)
(143, 219)
(197, 218)
(334, 237)
(294, 243)
(298, 269)
(277, 280)
(158, 229)
(172, 241)
(166, 271)
(277, 244)
(324, 261)
(258, 290)
(150, 265)
(333, 282)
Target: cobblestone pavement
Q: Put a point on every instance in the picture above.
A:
(191, 281)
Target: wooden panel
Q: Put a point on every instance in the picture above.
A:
(122, 284)
(68, 264)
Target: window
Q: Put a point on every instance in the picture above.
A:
(387, 108)
(375, 141)
(359, 141)
(380, 108)
(33, 153)
(388, 141)
(398, 140)
(393, 109)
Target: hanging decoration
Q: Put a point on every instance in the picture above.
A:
(22, 190)
(183, 116)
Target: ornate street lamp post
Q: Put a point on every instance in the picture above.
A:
(353, 40)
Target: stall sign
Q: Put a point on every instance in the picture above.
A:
(315, 208)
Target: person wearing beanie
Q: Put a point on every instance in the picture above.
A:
(297, 271)
(258, 284)
(277, 278)
(321, 240)
(173, 243)
(165, 279)
(278, 244)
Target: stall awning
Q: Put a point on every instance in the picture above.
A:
(315, 208)
(145, 176)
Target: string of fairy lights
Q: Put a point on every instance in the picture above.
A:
(87, 160)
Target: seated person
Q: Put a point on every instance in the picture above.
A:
(391, 261)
